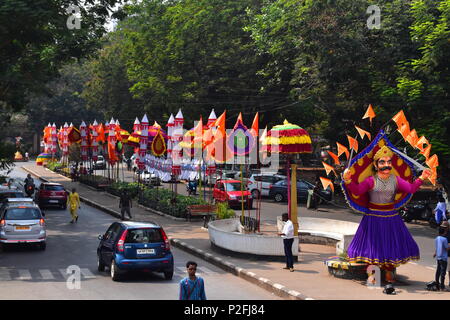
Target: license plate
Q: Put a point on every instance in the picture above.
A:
(53, 201)
(22, 228)
(145, 251)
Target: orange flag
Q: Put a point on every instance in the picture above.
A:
(239, 118)
(363, 133)
(433, 176)
(426, 152)
(369, 114)
(198, 134)
(421, 142)
(220, 123)
(328, 168)
(412, 138)
(207, 137)
(335, 158)
(342, 149)
(326, 183)
(432, 162)
(400, 119)
(404, 130)
(353, 143)
(255, 126)
(101, 133)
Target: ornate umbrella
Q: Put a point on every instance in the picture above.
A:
(289, 139)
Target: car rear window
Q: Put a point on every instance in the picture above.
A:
(54, 188)
(148, 235)
(7, 195)
(22, 214)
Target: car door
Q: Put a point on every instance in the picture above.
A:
(302, 190)
(267, 181)
(108, 243)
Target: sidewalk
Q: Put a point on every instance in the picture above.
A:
(309, 281)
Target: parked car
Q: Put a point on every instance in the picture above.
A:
(259, 184)
(22, 222)
(134, 246)
(100, 164)
(230, 191)
(278, 191)
(149, 178)
(6, 193)
(51, 194)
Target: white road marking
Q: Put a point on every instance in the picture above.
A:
(87, 273)
(4, 275)
(24, 274)
(46, 274)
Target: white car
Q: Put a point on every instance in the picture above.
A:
(149, 178)
(259, 184)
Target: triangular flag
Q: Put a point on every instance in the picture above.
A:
(326, 183)
(426, 152)
(353, 143)
(342, 149)
(363, 133)
(335, 158)
(328, 168)
(255, 126)
(220, 123)
(369, 113)
(421, 142)
(433, 161)
(400, 119)
(412, 138)
(433, 177)
(404, 130)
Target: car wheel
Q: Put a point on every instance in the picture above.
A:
(43, 245)
(168, 275)
(114, 272)
(278, 197)
(255, 194)
(100, 264)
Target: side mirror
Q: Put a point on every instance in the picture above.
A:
(100, 237)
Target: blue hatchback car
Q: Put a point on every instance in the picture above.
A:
(134, 246)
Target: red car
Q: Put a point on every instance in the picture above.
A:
(51, 194)
(230, 191)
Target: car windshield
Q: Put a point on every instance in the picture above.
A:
(54, 188)
(22, 214)
(149, 235)
(233, 186)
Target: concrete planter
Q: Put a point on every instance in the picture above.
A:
(226, 234)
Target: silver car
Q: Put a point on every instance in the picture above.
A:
(22, 222)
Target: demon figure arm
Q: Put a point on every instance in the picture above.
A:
(361, 188)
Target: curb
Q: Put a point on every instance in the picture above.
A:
(251, 277)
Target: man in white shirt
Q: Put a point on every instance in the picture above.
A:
(288, 239)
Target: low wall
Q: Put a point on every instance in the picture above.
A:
(225, 234)
(325, 231)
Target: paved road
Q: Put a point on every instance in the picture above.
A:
(28, 273)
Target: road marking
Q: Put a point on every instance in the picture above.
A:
(4, 275)
(87, 273)
(64, 273)
(24, 274)
(46, 274)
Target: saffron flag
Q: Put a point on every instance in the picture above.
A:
(335, 158)
(433, 162)
(363, 133)
(369, 114)
(426, 152)
(342, 149)
(412, 138)
(421, 142)
(328, 168)
(404, 130)
(400, 119)
(353, 143)
(255, 126)
(326, 183)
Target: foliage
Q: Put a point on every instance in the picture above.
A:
(117, 188)
(54, 165)
(223, 211)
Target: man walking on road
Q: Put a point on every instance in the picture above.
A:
(73, 202)
(288, 239)
(192, 287)
(441, 255)
(125, 204)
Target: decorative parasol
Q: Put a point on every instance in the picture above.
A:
(43, 157)
(287, 138)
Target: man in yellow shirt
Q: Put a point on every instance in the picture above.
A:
(73, 202)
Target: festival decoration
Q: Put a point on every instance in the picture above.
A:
(143, 142)
(369, 114)
(287, 139)
(240, 140)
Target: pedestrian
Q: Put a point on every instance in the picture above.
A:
(192, 287)
(440, 212)
(441, 255)
(73, 202)
(446, 226)
(125, 204)
(288, 239)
